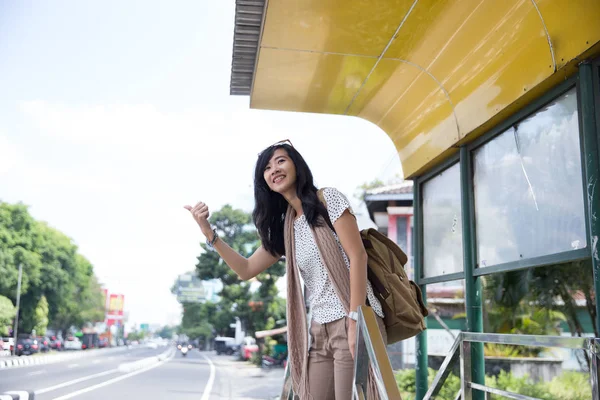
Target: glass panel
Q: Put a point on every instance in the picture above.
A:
(442, 224)
(553, 300)
(528, 187)
(446, 319)
(401, 238)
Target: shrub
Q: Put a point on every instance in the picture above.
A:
(506, 381)
(407, 384)
(567, 386)
(571, 386)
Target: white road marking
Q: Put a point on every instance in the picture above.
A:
(211, 379)
(72, 365)
(74, 381)
(36, 373)
(111, 381)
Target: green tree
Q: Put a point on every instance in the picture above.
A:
(167, 331)
(41, 317)
(199, 319)
(52, 268)
(7, 315)
(235, 228)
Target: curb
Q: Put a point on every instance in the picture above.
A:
(32, 361)
(145, 362)
(17, 395)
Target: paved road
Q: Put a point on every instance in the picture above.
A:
(199, 376)
(41, 378)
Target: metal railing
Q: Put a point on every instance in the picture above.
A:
(370, 355)
(462, 348)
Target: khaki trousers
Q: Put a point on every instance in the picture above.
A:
(330, 363)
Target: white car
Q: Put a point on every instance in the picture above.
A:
(72, 343)
(6, 345)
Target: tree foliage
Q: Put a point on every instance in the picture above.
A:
(52, 269)
(7, 315)
(236, 298)
(167, 331)
(41, 317)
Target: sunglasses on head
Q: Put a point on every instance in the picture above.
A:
(286, 141)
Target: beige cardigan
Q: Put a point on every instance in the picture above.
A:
(296, 312)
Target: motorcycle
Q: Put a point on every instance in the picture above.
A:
(184, 349)
(269, 362)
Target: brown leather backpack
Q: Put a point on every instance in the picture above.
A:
(400, 298)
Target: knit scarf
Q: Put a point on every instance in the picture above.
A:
(332, 258)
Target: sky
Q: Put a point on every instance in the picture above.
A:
(113, 115)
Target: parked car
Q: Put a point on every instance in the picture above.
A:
(7, 345)
(225, 345)
(73, 343)
(56, 343)
(44, 343)
(248, 348)
(27, 347)
(89, 340)
(102, 343)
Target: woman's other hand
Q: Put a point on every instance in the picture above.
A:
(352, 336)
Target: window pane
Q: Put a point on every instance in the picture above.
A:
(556, 300)
(528, 188)
(447, 318)
(442, 224)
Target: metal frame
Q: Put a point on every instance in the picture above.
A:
(441, 278)
(287, 392)
(370, 350)
(590, 163)
(464, 345)
(472, 271)
(371, 355)
(422, 363)
(534, 262)
(473, 302)
(568, 256)
(418, 185)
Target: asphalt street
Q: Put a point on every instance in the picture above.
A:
(71, 374)
(200, 376)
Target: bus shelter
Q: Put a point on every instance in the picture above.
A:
(494, 109)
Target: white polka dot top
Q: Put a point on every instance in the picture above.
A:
(324, 304)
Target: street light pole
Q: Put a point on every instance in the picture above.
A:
(16, 328)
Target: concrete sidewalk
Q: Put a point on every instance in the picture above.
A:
(243, 381)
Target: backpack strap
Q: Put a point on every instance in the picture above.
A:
(321, 197)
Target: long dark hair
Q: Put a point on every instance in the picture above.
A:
(270, 207)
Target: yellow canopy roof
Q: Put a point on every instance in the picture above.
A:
(430, 73)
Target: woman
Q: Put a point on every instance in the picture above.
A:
(291, 221)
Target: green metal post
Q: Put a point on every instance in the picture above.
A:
(592, 169)
(472, 283)
(421, 340)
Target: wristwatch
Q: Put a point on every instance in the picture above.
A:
(353, 315)
(211, 243)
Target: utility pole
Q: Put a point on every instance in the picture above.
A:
(16, 327)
